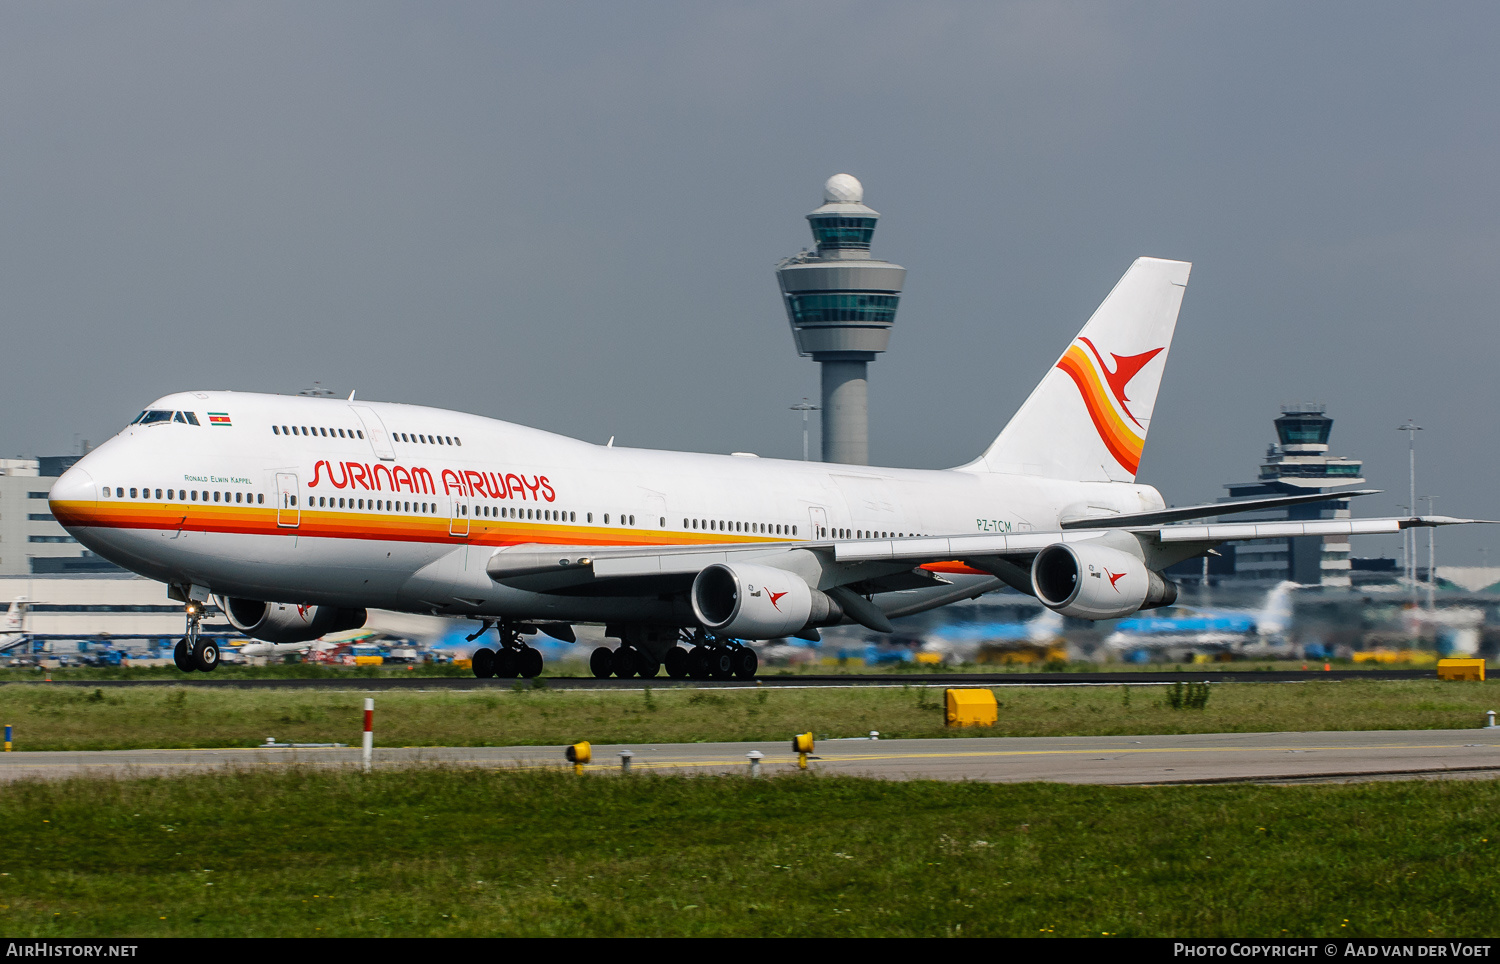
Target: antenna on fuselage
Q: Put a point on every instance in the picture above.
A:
(351, 396)
(611, 443)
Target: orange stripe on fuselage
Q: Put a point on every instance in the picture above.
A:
(380, 527)
(370, 526)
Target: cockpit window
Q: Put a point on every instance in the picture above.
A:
(187, 418)
(152, 416)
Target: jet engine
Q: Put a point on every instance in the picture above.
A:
(758, 602)
(283, 623)
(1097, 582)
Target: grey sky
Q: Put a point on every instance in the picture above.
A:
(568, 215)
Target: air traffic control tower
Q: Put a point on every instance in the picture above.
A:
(842, 303)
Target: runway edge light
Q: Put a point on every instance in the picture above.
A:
(971, 708)
(802, 745)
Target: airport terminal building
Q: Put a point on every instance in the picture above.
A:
(31, 540)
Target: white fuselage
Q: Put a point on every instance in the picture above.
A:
(366, 504)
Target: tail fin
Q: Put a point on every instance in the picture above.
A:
(15, 617)
(1088, 418)
(1275, 614)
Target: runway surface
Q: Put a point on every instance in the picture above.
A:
(409, 683)
(1121, 760)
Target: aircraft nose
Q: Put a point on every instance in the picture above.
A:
(75, 491)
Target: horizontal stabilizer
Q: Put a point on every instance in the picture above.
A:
(1205, 511)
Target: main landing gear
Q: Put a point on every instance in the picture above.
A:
(193, 651)
(510, 659)
(711, 657)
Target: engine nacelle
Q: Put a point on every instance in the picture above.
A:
(758, 602)
(283, 623)
(1097, 582)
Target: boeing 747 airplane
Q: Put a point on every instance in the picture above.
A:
(299, 513)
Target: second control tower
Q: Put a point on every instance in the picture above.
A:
(842, 303)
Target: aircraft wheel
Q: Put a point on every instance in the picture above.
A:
(531, 662)
(483, 662)
(602, 662)
(507, 664)
(697, 663)
(677, 663)
(626, 662)
(721, 663)
(645, 666)
(745, 662)
(206, 655)
(182, 657)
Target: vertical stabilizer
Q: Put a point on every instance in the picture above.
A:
(15, 617)
(1087, 420)
(1275, 616)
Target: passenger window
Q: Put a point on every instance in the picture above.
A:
(260, 499)
(132, 493)
(606, 518)
(120, 492)
(275, 430)
(169, 495)
(359, 433)
(457, 440)
(158, 493)
(239, 497)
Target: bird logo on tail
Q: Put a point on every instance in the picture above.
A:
(1103, 391)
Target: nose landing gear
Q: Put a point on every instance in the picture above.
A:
(193, 652)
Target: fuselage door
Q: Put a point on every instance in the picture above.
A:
(458, 518)
(818, 516)
(288, 512)
(375, 433)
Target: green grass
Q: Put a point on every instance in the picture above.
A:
(425, 852)
(55, 717)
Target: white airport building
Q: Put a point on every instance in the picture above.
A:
(31, 541)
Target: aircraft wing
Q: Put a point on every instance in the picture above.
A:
(840, 562)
